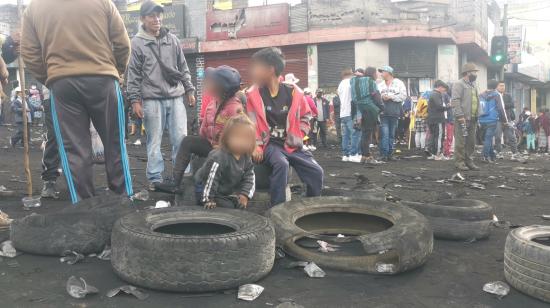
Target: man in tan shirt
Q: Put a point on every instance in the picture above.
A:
(79, 49)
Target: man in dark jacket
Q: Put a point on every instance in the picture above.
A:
(507, 130)
(79, 49)
(158, 80)
(323, 114)
(436, 120)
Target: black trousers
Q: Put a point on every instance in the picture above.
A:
(50, 155)
(320, 131)
(75, 101)
(19, 133)
(189, 145)
(437, 138)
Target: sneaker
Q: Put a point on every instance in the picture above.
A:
(312, 148)
(49, 191)
(355, 158)
(438, 157)
(305, 147)
(371, 145)
(345, 158)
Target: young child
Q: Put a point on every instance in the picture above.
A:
(227, 177)
(528, 128)
(420, 125)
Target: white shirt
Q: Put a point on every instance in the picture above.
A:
(344, 92)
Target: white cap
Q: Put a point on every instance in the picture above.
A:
(291, 79)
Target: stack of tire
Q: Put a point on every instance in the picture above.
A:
(527, 261)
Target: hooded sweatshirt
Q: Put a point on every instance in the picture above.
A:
(63, 38)
(145, 80)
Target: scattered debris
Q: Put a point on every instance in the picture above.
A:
(477, 186)
(162, 204)
(326, 247)
(7, 250)
(545, 217)
(387, 173)
(506, 187)
(314, 271)
(143, 195)
(340, 235)
(289, 305)
(279, 253)
(391, 198)
(249, 292)
(295, 264)
(78, 288)
(12, 263)
(385, 268)
(105, 255)
(5, 220)
(498, 288)
(361, 179)
(71, 257)
(137, 142)
(131, 290)
(333, 174)
(457, 178)
(4, 192)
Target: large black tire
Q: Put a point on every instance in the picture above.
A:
(457, 219)
(527, 263)
(192, 263)
(405, 244)
(84, 228)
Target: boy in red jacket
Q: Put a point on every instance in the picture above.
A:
(282, 118)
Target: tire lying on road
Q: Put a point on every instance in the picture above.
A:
(84, 228)
(457, 219)
(192, 250)
(527, 261)
(382, 237)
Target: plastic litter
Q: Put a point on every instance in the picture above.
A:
(143, 195)
(387, 173)
(545, 217)
(326, 247)
(137, 142)
(314, 271)
(105, 254)
(162, 204)
(498, 288)
(385, 267)
(5, 192)
(71, 257)
(5, 221)
(31, 202)
(279, 253)
(289, 305)
(340, 235)
(131, 290)
(457, 178)
(506, 187)
(98, 153)
(7, 250)
(295, 264)
(477, 186)
(78, 288)
(249, 292)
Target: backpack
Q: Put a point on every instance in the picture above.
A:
(485, 106)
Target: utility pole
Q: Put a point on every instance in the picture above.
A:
(26, 128)
(504, 33)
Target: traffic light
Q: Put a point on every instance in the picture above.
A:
(499, 50)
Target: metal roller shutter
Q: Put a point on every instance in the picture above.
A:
(413, 59)
(298, 18)
(333, 58)
(295, 56)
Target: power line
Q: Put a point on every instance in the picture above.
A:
(527, 19)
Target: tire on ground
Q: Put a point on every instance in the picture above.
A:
(457, 219)
(527, 263)
(84, 228)
(192, 263)
(403, 243)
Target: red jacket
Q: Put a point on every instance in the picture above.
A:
(312, 106)
(297, 124)
(211, 128)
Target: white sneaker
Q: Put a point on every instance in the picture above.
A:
(305, 147)
(355, 158)
(432, 157)
(312, 148)
(345, 158)
(438, 157)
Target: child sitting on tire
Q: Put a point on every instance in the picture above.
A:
(227, 177)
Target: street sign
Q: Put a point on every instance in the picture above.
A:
(515, 43)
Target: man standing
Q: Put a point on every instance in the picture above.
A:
(158, 79)
(79, 49)
(282, 117)
(491, 113)
(350, 135)
(507, 129)
(50, 154)
(393, 93)
(465, 104)
(436, 120)
(323, 113)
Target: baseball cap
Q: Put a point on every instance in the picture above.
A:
(386, 68)
(226, 76)
(149, 7)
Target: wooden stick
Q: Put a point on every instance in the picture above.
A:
(26, 160)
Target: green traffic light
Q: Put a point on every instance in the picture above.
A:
(498, 58)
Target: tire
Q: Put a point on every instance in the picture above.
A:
(404, 242)
(84, 228)
(457, 219)
(527, 263)
(192, 263)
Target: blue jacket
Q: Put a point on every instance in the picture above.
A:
(493, 110)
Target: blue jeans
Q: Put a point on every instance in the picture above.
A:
(388, 125)
(488, 149)
(350, 137)
(158, 115)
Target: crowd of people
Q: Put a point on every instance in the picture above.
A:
(89, 75)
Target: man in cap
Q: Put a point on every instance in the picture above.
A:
(158, 80)
(394, 93)
(465, 104)
(79, 49)
(323, 113)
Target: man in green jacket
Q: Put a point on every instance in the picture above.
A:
(465, 104)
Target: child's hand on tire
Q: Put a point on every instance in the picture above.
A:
(243, 201)
(210, 205)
